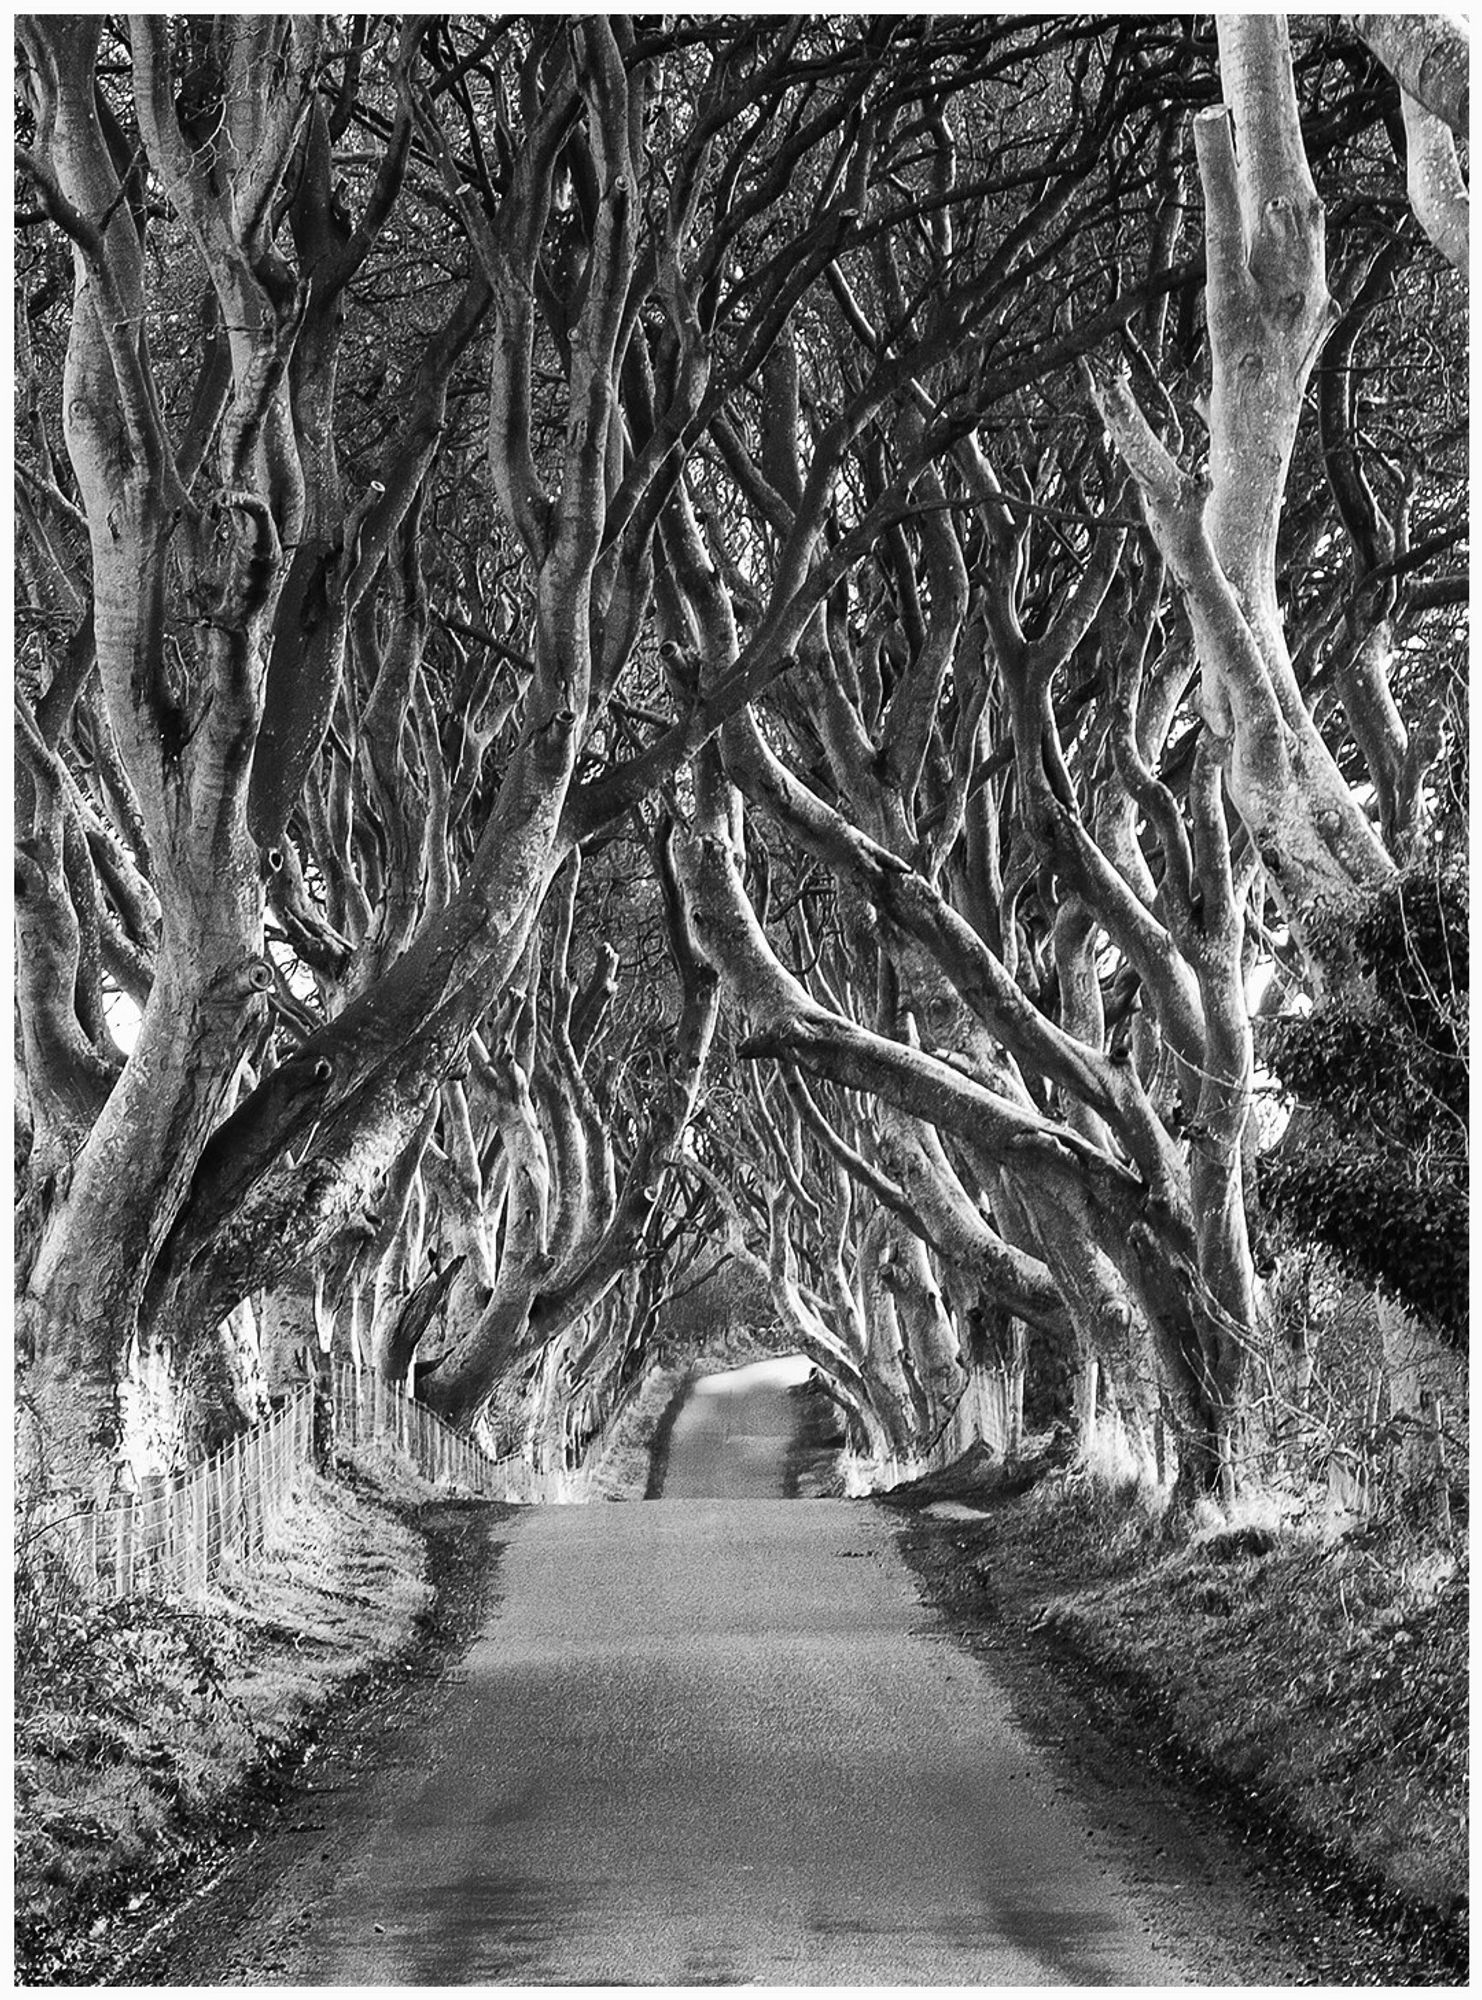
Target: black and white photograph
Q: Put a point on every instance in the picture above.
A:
(740, 1074)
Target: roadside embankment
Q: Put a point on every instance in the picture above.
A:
(814, 1457)
(151, 1731)
(1312, 1687)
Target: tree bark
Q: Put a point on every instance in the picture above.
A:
(1429, 57)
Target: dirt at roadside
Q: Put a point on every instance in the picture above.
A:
(1092, 1700)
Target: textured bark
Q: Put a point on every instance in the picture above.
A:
(1364, 670)
(1428, 56)
(931, 1340)
(1438, 194)
(894, 1394)
(1268, 308)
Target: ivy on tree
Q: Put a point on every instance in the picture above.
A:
(1379, 1173)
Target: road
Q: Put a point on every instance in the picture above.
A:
(708, 1741)
(711, 1740)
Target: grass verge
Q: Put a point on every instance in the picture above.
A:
(1317, 1683)
(147, 1729)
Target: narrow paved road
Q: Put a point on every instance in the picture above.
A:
(710, 1741)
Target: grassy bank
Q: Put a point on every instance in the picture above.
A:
(146, 1729)
(1319, 1682)
(623, 1465)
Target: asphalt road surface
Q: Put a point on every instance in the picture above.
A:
(716, 1741)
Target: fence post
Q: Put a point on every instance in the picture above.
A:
(254, 1513)
(185, 1505)
(223, 1512)
(189, 1533)
(169, 1532)
(123, 1528)
(205, 1478)
(230, 1489)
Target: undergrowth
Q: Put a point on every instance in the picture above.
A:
(1331, 1676)
(1321, 1675)
(142, 1726)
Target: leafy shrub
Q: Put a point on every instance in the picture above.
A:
(1374, 1167)
(89, 1672)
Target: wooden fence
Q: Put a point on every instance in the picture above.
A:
(369, 1409)
(174, 1535)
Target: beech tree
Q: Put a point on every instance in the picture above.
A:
(258, 637)
(640, 633)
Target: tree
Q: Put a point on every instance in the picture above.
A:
(1429, 59)
(231, 585)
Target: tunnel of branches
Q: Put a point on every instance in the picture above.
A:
(707, 671)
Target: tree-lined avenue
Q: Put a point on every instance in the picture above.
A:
(658, 643)
(730, 1439)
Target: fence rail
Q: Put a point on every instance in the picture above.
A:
(176, 1533)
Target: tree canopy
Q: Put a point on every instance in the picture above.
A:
(645, 640)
